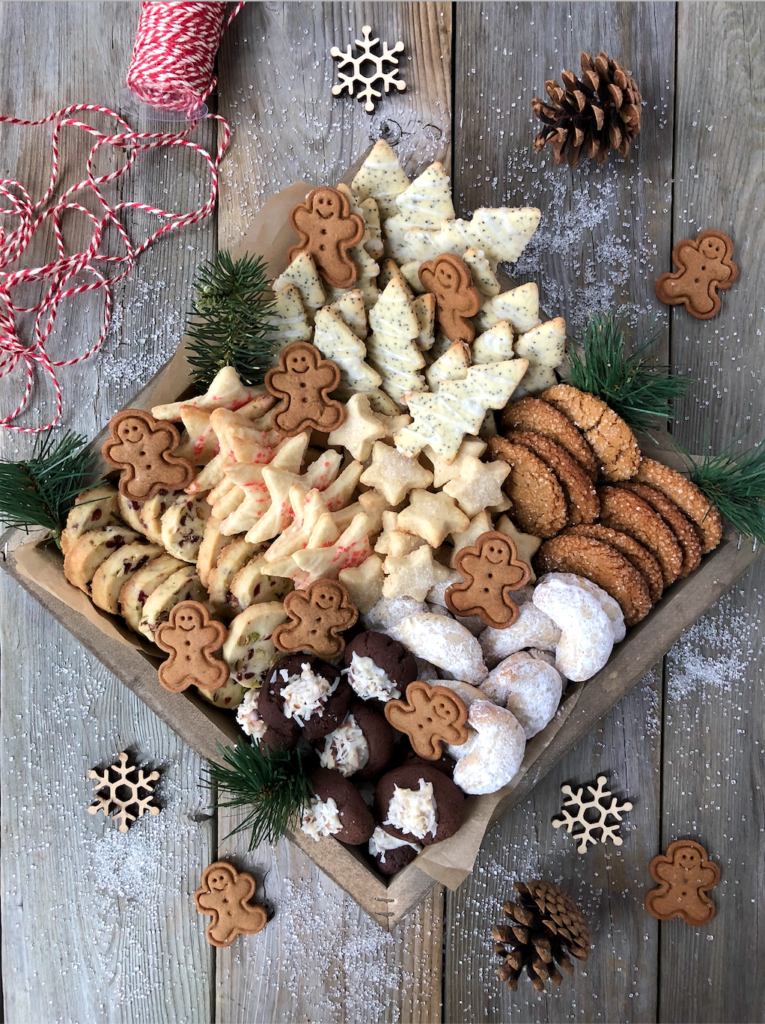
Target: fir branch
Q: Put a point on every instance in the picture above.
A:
(736, 485)
(274, 784)
(231, 319)
(640, 391)
(41, 490)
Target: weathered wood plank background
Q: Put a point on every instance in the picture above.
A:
(99, 929)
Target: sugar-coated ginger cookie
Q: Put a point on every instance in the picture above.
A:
(689, 498)
(142, 448)
(640, 556)
(583, 503)
(224, 895)
(539, 504)
(677, 521)
(327, 230)
(705, 266)
(685, 875)
(303, 381)
(191, 637)
(629, 513)
(609, 436)
(533, 414)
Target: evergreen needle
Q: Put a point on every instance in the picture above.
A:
(640, 391)
(41, 490)
(736, 485)
(274, 784)
(231, 319)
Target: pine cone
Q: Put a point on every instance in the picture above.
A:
(599, 112)
(546, 926)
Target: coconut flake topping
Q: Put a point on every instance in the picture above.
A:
(304, 695)
(321, 818)
(381, 842)
(248, 717)
(413, 811)
(368, 680)
(346, 748)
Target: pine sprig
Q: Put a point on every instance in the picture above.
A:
(231, 319)
(41, 490)
(274, 784)
(736, 485)
(635, 387)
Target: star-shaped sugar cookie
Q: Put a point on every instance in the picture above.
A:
(374, 503)
(393, 541)
(432, 517)
(364, 583)
(394, 474)
(444, 471)
(360, 429)
(478, 485)
(412, 575)
(526, 545)
(478, 524)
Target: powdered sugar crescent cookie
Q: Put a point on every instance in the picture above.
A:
(183, 526)
(443, 642)
(112, 574)
(130, 513)
(689, 498)
(142, 584)
(586, 638)
(94, 508)
(543, 418)
(609, 436)
(640, 556)
(234, 556)
(249, 586)
(183, 585)
(583, 503)
(532, 628)
(249, 651)
(528, 687)
(494, 750)
(90, 550)
(539, 504)
(152, 511)
(632, 515)
(602, 565)
(679, 524)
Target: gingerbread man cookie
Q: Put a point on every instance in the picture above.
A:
(319, 614)
(223, 894)
(327, 230)
(457, 298)
(491, 571)
(705, 266)
(430, 716)
(302, 381)
(190, 637)
(142, 448)
(685, 874)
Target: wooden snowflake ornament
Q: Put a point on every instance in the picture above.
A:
(575, 813)
(378, 74)
(120, 796)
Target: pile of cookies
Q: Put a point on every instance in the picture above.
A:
(359, 541)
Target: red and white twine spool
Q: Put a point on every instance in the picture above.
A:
(171, 69)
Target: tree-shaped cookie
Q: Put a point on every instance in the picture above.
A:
(318, 615)
(430, 716)
(303, 381)
(327, 230)
(492, 571)
(448, 278)
(191, 637)
(685, 875)
(705, 265)
(142, 448)
(224, 895)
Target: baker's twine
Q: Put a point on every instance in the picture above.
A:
(178, 41)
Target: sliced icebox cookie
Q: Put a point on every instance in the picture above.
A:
(228, 696)
(236, 554)
(183, 585)
(249, 586)
(130, 513)
(94, 508)
(249, 651)
(135, 592)
(118, 568)
(91, 549)
(213, 542)
(152, 511)
(183, 526)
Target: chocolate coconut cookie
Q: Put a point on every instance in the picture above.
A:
(418, 804)
(307, 691)
(391, 854)
(337, 809)
(378, 667)
(361, 746)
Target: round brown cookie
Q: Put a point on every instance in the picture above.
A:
(583, 503)
(355, 817)
(629, 513)
(335, 707)
(635, 553)
(391, 657)
(611, 439)
(539, 504)
(689, 498)
(395, 860)
(676, 520)
(534, 414)
(450, 803)
(601, 564)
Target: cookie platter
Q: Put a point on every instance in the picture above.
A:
(520, 451)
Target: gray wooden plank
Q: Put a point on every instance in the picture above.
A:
(275, 80)
(713, 764)
(603, 230)
(95, 923)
